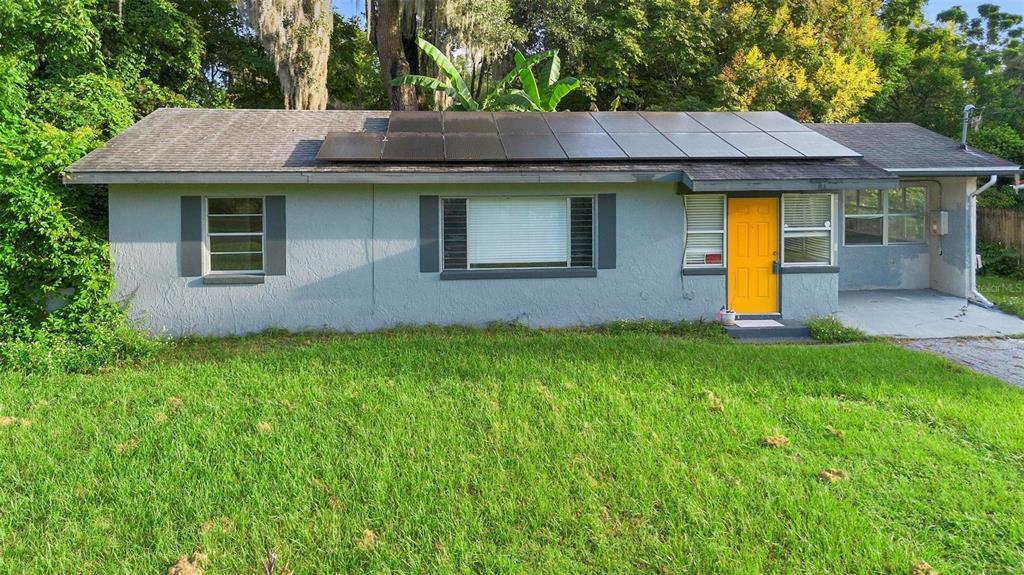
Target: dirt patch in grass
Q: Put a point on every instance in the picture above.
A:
(837, 433)
(714, 402)
(189, 565)
(174, 402)
(369, 541)
(159, 417)
(217, 524)
(127, 446)
(7, 421)
(923, 568)
(831, 475)
(775, 441)
(264, 427)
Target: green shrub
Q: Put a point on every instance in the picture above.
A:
(1000, 260)
(831, 330)
(47, 352)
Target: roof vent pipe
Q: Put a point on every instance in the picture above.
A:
(967, 118)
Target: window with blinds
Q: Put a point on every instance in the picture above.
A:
(807, 229)
(705, 231)
(520, 232)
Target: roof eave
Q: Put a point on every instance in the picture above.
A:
(298, 177)
(790, 185)
(956, 171)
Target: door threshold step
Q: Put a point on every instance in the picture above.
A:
(761, 330)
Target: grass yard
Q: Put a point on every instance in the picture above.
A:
(514, 451)
(1007, 293)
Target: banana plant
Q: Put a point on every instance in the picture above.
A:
(533, 94)
(456, 86)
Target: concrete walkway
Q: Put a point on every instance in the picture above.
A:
(922, 314)
(1003, 358)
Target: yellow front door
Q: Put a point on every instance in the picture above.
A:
(753, 237)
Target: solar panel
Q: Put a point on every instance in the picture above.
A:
(414, 122)
(758, 145)
(521, 123)
(813, 144)
(773, 122)
(589, 145)
(654, 145)
(703, 145)
(351, 146)
(471, 122)
(532, 147)
(673, 122)
(723, 122)
(423, 136)
(572, 122)
(473, 147)
(614, 122)
(413, 147)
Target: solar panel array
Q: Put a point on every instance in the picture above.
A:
(581, 136)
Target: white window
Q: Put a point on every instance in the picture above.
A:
(517, 232)
(876, 218)
(705, 231)
(807, 229)
(234, 234)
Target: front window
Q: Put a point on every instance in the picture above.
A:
(234, 228)
(807, 229)
(518, 232)
(876, 218)
(705, 232)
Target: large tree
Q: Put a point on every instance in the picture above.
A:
(296, 34)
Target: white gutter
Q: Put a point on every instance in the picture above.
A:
(976, 296)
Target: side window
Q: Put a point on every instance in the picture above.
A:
(234, 229)
(874, 217)
(807, 229)
(705, 231)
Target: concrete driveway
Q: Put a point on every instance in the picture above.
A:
(938, 323)
(922, 314)
(1001, 357)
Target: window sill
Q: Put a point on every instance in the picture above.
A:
(810, 269)
(501, 274)
(233, 279)
(704, 271)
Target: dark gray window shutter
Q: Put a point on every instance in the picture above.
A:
(455, 234)
(606, 231)
(191, 236)
(429, 234)
(581, 232)
(275, 236)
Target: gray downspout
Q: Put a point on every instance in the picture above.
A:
(976, 297)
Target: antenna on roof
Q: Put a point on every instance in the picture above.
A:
(967, 118)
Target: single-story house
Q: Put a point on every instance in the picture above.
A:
(232, 221)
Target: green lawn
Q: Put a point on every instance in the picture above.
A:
(514, 451)
(1007, 293)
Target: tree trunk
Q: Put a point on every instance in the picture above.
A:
(296, 34)
(386, 32)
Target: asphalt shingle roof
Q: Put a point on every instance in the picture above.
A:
(903, 146)
(216, 141)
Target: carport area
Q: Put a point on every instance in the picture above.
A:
(922, 314)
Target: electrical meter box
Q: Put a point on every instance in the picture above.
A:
(940, 222)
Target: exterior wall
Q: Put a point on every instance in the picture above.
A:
(952, 255)
(704, 293)
(807, 295)
(941, 262)
(353, 264)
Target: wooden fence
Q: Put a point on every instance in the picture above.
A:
(1001, 225)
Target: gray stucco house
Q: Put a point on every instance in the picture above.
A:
(232, 221)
